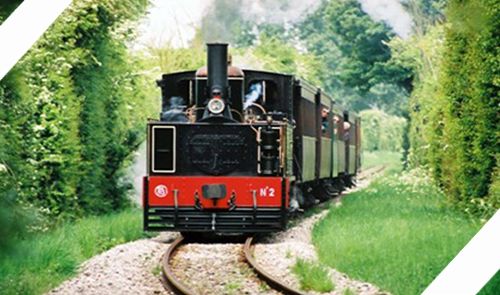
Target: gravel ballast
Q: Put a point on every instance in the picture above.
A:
(130, 268)
(219, 268)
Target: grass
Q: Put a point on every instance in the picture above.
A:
(156, 271)
(312, 276)
(348, 291)
(43, 261)
(397, 233)
(233, 287)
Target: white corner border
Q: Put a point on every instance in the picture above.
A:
(474, 265)
(24, 27)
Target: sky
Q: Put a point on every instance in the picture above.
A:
(176, 20)
(172, 20)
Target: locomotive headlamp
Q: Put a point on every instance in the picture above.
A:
(216, 105)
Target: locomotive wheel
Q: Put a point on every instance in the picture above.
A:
(348, 180)
(323, 191)
(340, 184)
(320, 193)
(331, 189)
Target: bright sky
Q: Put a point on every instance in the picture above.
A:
(172, 20)
(175, 20)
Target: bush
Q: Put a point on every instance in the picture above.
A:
(381, 132)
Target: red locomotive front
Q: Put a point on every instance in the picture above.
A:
(215, 164)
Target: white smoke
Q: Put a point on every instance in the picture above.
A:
(391, 12)
(253, 95)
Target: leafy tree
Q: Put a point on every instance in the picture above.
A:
(165, 58)
(381, 132)
(354, 50)
(273, 54)
(425, 13)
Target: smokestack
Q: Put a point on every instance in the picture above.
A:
(217, 69)
(219, 102)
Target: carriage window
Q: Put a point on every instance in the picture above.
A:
(337, 122)
(324, 119)
(347, 131)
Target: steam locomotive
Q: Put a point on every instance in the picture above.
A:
(239, 151)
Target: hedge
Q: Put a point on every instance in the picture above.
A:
(71, 112)
(455, 106)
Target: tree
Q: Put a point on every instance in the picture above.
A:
(355, 53)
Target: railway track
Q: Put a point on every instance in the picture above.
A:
(174, 284)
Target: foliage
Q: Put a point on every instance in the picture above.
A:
(312, 276)
(71, 111)
(454, 107)
(273, 54)
(471, 92)
(380, 131)
(411, 235)
(43, 261)
(353, 48)
(425, 13)
(338, 46)
(164, 58)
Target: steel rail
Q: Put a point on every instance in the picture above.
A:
(264, 275)
(168, 275)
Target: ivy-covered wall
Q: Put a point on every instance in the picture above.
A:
(71, 112)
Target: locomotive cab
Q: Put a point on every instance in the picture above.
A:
(213, 170)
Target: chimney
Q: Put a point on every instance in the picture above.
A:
(219, 101)
(217, 69)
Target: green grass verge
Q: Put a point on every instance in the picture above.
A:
(396, 233)
(312, 276)
(43, 261)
